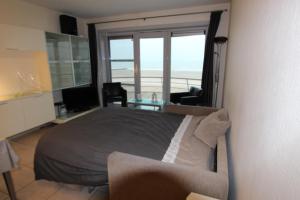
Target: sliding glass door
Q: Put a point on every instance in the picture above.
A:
(158, 62)
(151, 66)
(187, 54)
(122, 63)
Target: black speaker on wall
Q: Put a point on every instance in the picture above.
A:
(68, 25)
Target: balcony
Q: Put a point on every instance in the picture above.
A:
(151, 84)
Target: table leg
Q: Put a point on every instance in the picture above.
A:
(9, 185)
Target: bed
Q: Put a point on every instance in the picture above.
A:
(77, 152)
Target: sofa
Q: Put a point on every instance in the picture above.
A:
(205, 172)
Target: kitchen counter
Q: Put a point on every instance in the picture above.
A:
(6, 98)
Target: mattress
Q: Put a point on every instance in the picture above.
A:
(76, 152)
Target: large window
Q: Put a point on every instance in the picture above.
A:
(146, 69)
(122, 62)
(187, 54)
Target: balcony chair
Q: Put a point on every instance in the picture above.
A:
(113, 92)
(193, 97)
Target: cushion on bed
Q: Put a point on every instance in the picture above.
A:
(186, 149)
(212, 127)
(195, 153)
(192, 151)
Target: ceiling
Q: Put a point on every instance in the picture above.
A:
(101, 8)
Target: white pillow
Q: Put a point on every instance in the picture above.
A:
(212, 127)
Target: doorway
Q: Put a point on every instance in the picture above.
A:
(151, 65)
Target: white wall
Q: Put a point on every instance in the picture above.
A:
(20, 13)
(202, 8)
(192, 16)
(263, 98)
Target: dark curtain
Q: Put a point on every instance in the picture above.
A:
(207, 76)
(93, 54)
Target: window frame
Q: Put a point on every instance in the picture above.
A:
(182, 33)
(120, 37)
(170, 32)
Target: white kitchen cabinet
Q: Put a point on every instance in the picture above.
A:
(12, 119)
(21, 38)
(24, 113)
(38, 109)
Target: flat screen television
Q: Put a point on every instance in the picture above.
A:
(80, 98)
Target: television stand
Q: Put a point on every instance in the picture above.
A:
(73, 115)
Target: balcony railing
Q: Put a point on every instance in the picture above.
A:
(150, 84)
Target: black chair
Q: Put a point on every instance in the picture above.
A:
(193, 97)
(113, 92)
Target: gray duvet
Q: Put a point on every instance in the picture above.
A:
(76, 152)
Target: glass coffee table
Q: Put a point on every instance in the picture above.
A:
(146, 102)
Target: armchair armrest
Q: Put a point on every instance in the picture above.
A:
(135, 178)
(123, 91)
(124, 97)
(189, 110)
(104, 97)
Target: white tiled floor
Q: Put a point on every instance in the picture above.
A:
(29, 189)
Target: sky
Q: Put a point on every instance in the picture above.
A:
(187, 52)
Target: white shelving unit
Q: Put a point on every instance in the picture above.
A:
(69, 60)
(70, 66)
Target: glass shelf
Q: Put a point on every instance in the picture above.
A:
(62, 75)
(58, 46)
(80, 48)
(82, 71)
